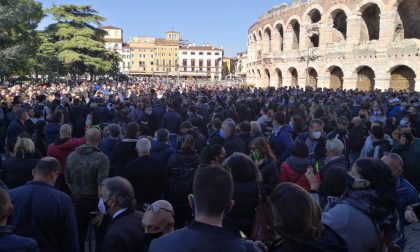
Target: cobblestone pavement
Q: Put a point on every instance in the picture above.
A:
(412, 233)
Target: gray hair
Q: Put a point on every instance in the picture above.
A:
(335, 146)
(230, 124)
(122, 190)
(143, 145)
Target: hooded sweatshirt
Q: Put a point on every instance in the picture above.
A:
(62, 148)
(85, 169)
(294, 169)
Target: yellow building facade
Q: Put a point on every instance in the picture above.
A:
(166, 54)
(142, 55)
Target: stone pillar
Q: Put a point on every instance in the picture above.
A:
(417, 84)
(302, 38)
(288, 39)
(353, 29)
(349, 79)
(387, 27)
(382, 81)
(275, 42)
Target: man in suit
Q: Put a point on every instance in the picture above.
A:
(125, 231)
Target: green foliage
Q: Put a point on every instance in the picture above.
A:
(18, 38)
(78, 40)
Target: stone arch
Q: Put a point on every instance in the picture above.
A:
(336, 77)
(259, 35)
(280, 30)
(313, 40)
(409, 19)
(370, 22)
(268, 76)
(339, 24)
(402, 78)
(258, 74)
(314, 15)
(312, 77)
(294, 28)
(255, 37)
(294, 77)
(268, 38)
(365, 78)
(279, 77)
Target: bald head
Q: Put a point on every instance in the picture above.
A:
(159, 218)
(65, 131)
(394, 162)
(93, 136)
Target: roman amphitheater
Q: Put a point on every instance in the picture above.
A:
(364, 44)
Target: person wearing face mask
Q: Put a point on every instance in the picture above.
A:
(39, 202)
(146, 122)
(409, 149)
(377, 115)
(158, 220)
(125, 232)
(365, 215)
(341, 132)
(281, 141)
(314, 140)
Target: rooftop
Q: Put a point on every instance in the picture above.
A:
(110, 27)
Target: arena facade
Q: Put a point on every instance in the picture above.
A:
(364, 44)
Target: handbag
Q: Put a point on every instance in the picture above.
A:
(263, 220)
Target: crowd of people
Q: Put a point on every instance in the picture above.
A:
(156, 165)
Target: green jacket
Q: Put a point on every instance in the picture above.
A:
(85, 169)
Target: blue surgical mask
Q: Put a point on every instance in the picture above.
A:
(102, 206)
(291, 124)
(222, 133)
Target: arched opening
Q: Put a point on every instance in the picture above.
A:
(279, 78)
(295, 27)
(294, 76)
(366, 79)
(267, 33)
(255, 38)
(259, 35)
(314, 41)
(409, 12)
(267, 73)
(339, 26)
(312, 78)
(315, 16)
(279, 28)
(259, 73)
(336, 78)
(370, 23)
(403, 78)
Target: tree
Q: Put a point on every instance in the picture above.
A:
(18, 38)
(78, 39)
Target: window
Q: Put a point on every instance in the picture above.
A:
(163, 62)
(184, 53)
(192, 64)
(142, 63)
(151, 63)
(184, 64)
(208, 53)
(208, 65)
(157, 62)
(170, 54)
(200, 63)
(170, 62)
(192, 53)
(216, 53)
(176, 55)
(200, 53)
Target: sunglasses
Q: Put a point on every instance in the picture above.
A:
(156, 209)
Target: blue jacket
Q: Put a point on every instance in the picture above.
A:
(13, 243)
(52, 132)
(46, 215)
(161, 151)
(13, 131)
(406, 195)
(281, 143)
(204, 238)
(107, 145)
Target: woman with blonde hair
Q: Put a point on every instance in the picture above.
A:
(266, 162)
(18, 170)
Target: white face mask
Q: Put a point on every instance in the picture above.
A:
(101, 206)
(316, 134)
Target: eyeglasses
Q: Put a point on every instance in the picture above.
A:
(156, 209)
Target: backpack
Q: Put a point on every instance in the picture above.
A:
(181, 178)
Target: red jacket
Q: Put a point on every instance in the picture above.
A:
(293, 170)
(61, 149)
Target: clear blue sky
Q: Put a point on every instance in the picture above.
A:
(218, 22)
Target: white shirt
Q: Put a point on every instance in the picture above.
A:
(118, 213)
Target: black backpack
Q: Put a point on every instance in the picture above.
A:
(181, 178)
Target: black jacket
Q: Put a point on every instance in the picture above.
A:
(246, 138)
(339, 162)
(148, 177)
(161, 151)
(125, 233)
(171, 120)
(123, 152)
(319, 150)
(204, 238)
(270, 174)
(199, 139)
(234, 144)
(17, 171)
(245, 195)
(357, 137)
(46, 215)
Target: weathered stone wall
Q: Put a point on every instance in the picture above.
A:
(354, 37)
